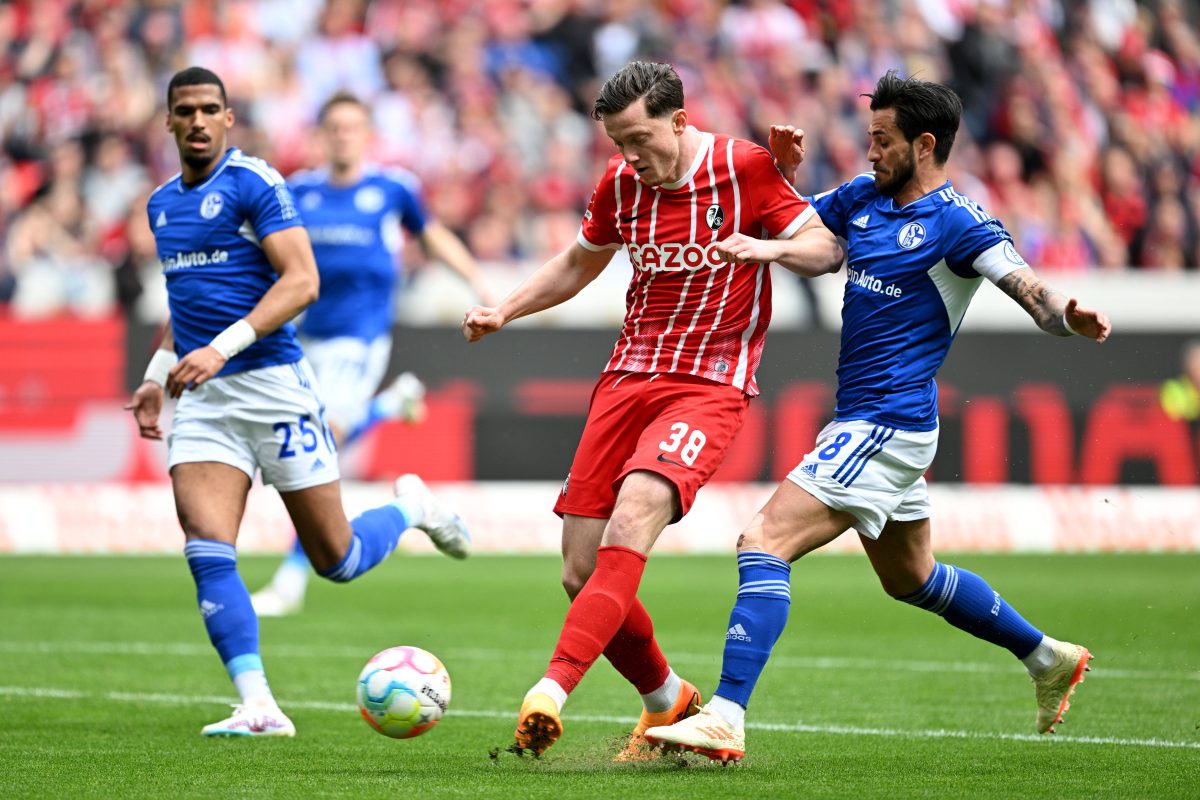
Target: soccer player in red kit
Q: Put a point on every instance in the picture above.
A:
(676, 388)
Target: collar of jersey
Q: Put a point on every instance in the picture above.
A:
(920, 199)
(220, 168)
(706, 143)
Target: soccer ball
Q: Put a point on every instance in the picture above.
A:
(403, 692)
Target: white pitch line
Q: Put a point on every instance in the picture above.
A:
(837, 730)
(203, 650)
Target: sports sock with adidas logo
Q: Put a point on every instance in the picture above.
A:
(228, 616)
(758, 618)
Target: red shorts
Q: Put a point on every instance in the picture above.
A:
(676, 426)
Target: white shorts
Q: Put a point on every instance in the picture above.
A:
(271, 419)
(349, 371)
(875, 472)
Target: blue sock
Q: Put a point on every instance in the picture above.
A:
(375, 535)
(758, 618)
(224, 604)
(966, 601)
(374, 416)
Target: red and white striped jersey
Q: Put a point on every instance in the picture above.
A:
(687, 311)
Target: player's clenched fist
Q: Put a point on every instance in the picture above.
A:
(480, 321)
(742, 249)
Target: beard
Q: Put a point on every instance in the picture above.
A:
(902, 173)
(199, 161)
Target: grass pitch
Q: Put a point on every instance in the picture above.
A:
(106, 678)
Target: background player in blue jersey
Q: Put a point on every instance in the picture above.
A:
(356, 213)
(238, 266)
(917, 251)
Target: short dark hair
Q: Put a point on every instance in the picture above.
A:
(658, 83)
(921, 107)
(339, 98)
(195, 76)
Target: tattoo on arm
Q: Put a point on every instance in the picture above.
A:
(1041, 302)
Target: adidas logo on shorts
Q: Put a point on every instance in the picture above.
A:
(810, 470)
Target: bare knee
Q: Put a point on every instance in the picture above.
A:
(761, 537)
(199, 528)
(752, 538)
(645, 505)
(574, 576)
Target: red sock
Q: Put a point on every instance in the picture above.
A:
(596, 615)
(635, 653)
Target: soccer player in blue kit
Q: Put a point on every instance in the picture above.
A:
(917, 251)
(238, 266)
(355, 213)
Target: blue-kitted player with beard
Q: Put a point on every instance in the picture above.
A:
(238, 266)
(917, 251)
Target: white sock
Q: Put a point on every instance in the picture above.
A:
(664, 697)
(550, 687)
(727, 710)
(1042, 657)
(412, 510)
(252, 686)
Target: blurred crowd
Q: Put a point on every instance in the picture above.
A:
(1081, 132)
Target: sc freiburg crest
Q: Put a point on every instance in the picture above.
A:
(714, 217)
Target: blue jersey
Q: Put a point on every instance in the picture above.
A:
(208, 239)
(356, 237)
(911, 274)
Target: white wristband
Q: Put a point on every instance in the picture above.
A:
(234, 339)
(160, 364)
(1067, 325)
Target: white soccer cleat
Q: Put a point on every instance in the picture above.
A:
(1056, 685)
(252, 720)
(445, 528)
(706, 733)
(403, 399)
(270, 602)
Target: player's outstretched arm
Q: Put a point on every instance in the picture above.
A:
(146, 403)
(813, 250)
(441, 243)
(556, 281)
(787, 145)
(1051, 310)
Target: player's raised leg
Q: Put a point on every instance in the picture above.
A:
(342, 549)
(792, 523)
(210, 499)
(902, 556)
